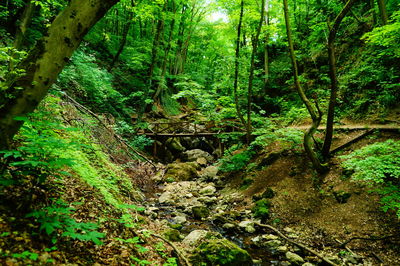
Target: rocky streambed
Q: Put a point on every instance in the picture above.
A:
(216, 225)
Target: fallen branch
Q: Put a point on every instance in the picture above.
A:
(347, 144)
(183, 259)
(343, 244)
(117, 137)
(297, 244)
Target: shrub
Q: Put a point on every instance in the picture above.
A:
(236, 162)
(378, 165)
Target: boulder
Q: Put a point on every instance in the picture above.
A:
(210, 173)
(220, 252)
(200, 212)
(202, 161)
(194, 237)
(208, 190)
(193, 155)
(166, 198)
(181, 171)
(294, 258)
(248, 226)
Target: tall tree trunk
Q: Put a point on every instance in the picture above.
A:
(266, 56)
(181, 35)
(251, 74)
(383, 11)
(166, 53)
(46, 61)
(316, 115)
(237, 57)
(123, 40)
(333, 77)
(372, 8)
(25, 20)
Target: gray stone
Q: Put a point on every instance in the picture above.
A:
(273, 244)
(179, 219)
(208, 190)
(294, 258)
(228, 226)
(308, 264)
(166, 198)
(282, 249)
(248, 226)
(210, 173)
(202, 161)
(193, 155)
(194, 237)
(270, 237)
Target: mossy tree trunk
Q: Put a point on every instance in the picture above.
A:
(315, 113)
(45, 61)
(383, 11)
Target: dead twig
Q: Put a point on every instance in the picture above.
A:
(183, 259)
(302, 246)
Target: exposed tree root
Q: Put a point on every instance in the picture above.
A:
(183, 259)
(302, 246)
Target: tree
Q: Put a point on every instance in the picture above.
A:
(45, 62)
(333, 77)
(314, 112)
(383, 11)
(255, 39)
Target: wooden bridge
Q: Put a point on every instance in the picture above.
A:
(184, 129)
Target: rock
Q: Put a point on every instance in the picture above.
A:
(193, 155)
(282, 249)
(273, 244)
(174, 145)
(294, 258)
(220, 252)
(194, 237)
(202, 161)
(248, 226)
(208, 190)
(288, 230)
(208, 200)
(200, 212)
(334, 259)
(166, 198)
(210, 173)
(308, 264)
(172, 235)
(270, 237)
(181, 171)
(228, 226)
(179, 219)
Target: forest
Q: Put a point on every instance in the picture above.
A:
(199, 132)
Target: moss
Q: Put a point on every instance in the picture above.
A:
(246, 183)
(220, 252)
(200, 212)
(176, 226)
(261, 209)
(172, 235)
(181, 171)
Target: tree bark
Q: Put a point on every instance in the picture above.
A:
(316, 115)
(251, 74)
(383, 11)
(237, 57)
(46, 61)
(333, 77)
(266, 56)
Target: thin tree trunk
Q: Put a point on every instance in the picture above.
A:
(166, 53)
(251, 74)
(45, 62)
(372, 8)
(123, 40)
(26, 19)
(333, 77)
(266, 56)
(383, 11)
(316, 115)
(237, 57)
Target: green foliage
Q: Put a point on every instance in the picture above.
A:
(288, 137)
(261, 209)
(93, 84)
(379, 165)
(9, 59)
(236, 162)
(26, 255)
(55, 220)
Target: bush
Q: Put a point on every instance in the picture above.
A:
(378, 165)
(236, 162)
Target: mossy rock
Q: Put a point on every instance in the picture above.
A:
(220, 252)
(261, 209)
(200, 212)
(181, 172)
(172, 235)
